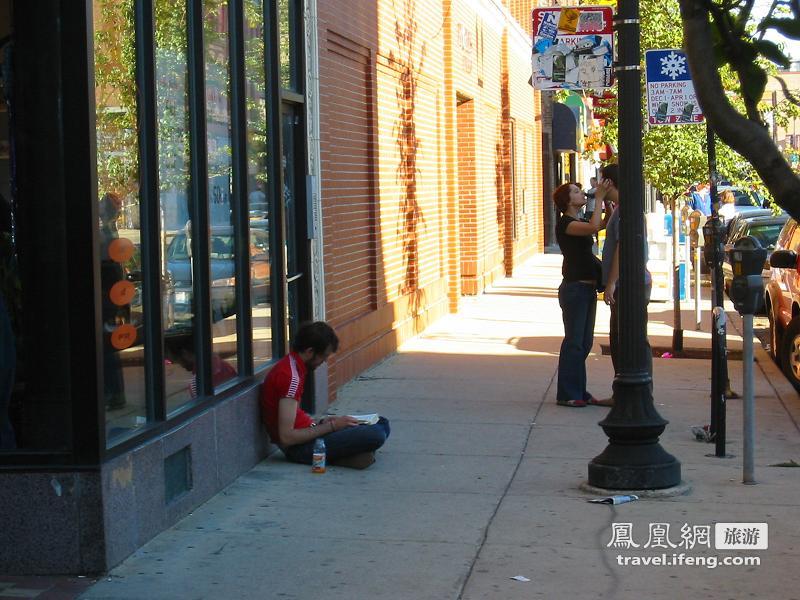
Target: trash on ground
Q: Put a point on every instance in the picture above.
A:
(520, 578)
(666, 355)
(614, 499)
(788, 463)
(702, 433)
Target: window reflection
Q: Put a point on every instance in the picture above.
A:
(121, 282)
(173, 173)
(257, 180)
(287, 29)
(218, 128)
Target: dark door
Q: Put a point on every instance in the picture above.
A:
(294, 206)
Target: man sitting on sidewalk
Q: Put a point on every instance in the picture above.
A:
(347, 442)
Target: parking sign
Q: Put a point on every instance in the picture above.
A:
(670, 92)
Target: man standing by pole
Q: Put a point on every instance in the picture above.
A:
(609, 188)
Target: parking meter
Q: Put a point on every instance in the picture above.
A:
(694, 228)
(713, 233)
(747, 259)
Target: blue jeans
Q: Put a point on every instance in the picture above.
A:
(578, 303)
(344, 443)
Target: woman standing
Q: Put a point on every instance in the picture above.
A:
(577, 294)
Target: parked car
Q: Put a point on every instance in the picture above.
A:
(766, 230)
(223, 279)
(731, 223)
(782, 300)
(746, 202)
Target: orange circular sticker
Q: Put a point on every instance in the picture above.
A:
(121, 293)
(120, 250)
(123, 337)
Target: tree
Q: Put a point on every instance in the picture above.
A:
(725, 30)
(675, 156)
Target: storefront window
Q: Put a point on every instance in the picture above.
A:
(11, 400)
(222, 255)
(125, 280)
(287, 26)
(175, 209)
(122, 284)
(257, 182)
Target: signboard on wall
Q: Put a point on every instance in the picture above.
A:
(670, 92)
(573, 48)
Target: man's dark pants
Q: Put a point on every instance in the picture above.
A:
(613, 332)
(343, 443)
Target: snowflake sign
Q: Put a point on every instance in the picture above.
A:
(670, 93)
(673, 65)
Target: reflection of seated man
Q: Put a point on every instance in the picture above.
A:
(180, 349)
(346, 442)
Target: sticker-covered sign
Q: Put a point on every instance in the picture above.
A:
(573, 48)
(670, 92)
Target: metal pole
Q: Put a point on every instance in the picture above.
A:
(634, 458)
(697, 316)
(677, 328)
(748, 423)
(687, 263)
(719, 368)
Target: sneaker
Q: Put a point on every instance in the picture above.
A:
(356, 461)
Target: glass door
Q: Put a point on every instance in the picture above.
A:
(294, 207)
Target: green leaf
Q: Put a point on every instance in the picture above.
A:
(788, 27)
(771, 51)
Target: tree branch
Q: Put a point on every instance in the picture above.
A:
(746, 137)
(787, 92)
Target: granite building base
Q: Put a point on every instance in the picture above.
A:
(86, 522)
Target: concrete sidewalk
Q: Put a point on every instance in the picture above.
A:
(480, 479)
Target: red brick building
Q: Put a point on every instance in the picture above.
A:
(430, 141)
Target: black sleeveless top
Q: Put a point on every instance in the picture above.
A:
(579, 262)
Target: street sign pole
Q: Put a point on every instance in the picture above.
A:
(634, 459)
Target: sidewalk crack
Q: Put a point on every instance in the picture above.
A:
(511, 479)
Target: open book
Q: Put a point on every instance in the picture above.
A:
(367, 419)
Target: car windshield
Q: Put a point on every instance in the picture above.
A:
(765, 233)
(746, 198)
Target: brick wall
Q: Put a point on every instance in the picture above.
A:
(431, 153)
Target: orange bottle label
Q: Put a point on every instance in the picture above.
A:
(318, 463)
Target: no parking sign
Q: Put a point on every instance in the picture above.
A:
(670, 92)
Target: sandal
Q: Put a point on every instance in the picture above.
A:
(572, 403)
(592, 401)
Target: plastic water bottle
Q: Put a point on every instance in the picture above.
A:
(318, 459)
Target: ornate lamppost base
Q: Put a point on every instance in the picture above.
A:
(634, 459)
(634, 467)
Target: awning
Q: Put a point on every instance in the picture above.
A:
(565, 129)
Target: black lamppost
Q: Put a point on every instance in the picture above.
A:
(633, 459)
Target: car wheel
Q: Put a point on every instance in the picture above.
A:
(774, 338)
(790, 352)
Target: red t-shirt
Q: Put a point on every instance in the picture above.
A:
(285, 380)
